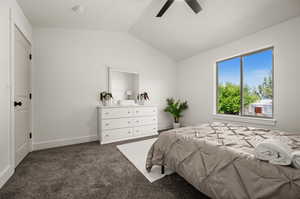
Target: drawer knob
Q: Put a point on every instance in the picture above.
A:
(128, 112)
(106, 135)
(107, 124)
(128, 122)
(106, 113)
(129, 132)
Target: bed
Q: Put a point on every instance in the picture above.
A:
(218, 159)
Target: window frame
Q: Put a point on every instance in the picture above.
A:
(241, 56)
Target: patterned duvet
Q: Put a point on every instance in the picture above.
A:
(218, 159)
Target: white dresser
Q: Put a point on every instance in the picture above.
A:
(117, 123)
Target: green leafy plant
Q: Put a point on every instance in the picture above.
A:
(229, 99)
(250, 96)
(143, 96)
(175, 108)
(105, 96)
(265, 90)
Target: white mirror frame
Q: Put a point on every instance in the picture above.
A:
(112, 69)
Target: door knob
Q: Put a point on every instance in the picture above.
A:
(17, 104)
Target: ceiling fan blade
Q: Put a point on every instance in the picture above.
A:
(165, 8)
(194, 5)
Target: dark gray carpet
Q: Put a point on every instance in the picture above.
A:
(89, 171)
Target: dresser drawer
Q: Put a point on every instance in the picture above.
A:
(117, 123)
(142, 130)
(116, 134)
(145, 111)
(108, 113)
(145, 121)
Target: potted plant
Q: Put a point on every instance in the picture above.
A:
(105, 98)
(142, 97)
(175, 108)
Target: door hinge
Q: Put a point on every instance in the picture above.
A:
(30, 56)
(30, 95)
(30, 135)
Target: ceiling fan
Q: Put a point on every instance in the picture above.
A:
(193, 4)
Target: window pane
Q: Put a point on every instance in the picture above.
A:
(229, 99)
(258, 84)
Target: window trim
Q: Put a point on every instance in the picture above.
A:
(241, 56)
(245, 119)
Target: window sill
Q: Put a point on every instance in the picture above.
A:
(248, 120)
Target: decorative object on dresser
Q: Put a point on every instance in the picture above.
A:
(118, 123)
(105, 98)
(175, 108)
(129, 93)
(142, 98)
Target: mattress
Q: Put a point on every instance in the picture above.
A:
(218, 159)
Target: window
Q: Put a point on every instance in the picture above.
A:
(245, 85)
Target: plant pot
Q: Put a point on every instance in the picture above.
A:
(106, 103)
(176, 125)
(141, 102)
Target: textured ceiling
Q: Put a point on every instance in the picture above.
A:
(179, 33)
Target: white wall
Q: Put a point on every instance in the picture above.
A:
(10, 15)
(196, 74)
(70, 70)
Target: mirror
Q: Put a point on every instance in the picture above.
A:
(123, 84)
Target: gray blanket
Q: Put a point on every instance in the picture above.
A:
(218, 159)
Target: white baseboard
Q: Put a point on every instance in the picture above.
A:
(5, 175)
(70, 141)
(63, 142)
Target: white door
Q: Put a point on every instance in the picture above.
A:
(21, 93)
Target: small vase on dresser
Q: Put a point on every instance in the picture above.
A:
(118, 123)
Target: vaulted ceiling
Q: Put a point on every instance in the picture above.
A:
(179, 33)
(111, 15)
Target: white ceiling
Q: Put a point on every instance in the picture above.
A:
(112, 15)
(179, 33)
